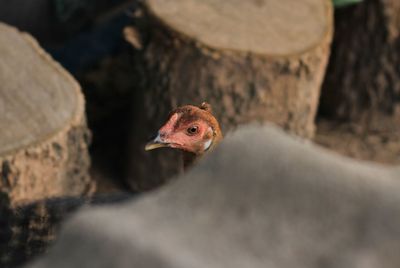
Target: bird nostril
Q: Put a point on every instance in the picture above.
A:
(162, 134)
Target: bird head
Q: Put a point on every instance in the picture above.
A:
(188, 128)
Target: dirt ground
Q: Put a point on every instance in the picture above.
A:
(375, 140)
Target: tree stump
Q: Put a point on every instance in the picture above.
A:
(43, 137)
(260, 60)
(363, 78)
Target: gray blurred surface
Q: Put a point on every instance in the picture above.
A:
(262, 199)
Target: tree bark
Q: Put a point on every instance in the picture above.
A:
(44, 138)
(258, 60)
(363, 77)
(27, 231)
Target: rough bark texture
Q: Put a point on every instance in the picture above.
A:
(381, 144)
(242, 82)
(27, 231)
(44, 138)
(363, 77)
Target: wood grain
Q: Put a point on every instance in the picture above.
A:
(257, 26)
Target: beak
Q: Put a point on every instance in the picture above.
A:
(155, 143)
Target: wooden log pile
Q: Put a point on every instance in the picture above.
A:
(263, 198)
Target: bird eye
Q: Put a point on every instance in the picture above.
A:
(192, 130)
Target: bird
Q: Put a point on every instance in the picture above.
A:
(194, 130)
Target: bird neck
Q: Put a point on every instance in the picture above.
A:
(189, 159)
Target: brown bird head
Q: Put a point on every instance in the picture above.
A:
(188, 128)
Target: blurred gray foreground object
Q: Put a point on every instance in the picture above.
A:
(262, 199)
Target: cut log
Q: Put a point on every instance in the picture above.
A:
(43, 137)
(363, 78)
(260, 60)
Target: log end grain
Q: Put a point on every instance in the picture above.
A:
(257, 26)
